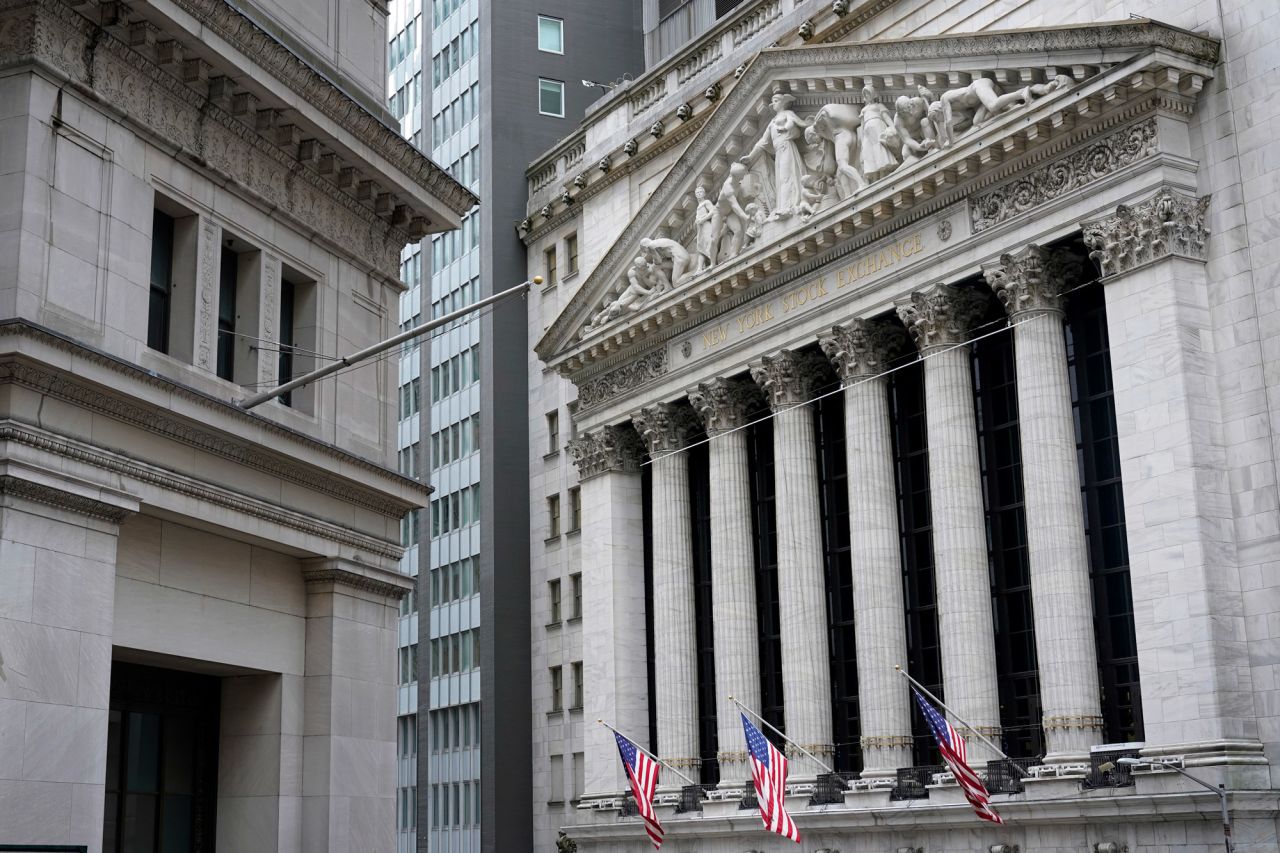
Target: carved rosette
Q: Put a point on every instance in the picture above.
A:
(1169, 224)
(1033, 280)
(725, 404)
(789, 378)
(665, 427)
(610, 448)
(861, 347)
(941, 315)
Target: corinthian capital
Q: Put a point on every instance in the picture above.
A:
(788, 378)
(609, 448)
(941, 315)
(725, 404)
(665, 427)
(861, 347)
(1034, 279)
(1169, 224)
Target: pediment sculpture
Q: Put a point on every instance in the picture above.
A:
(803, 161)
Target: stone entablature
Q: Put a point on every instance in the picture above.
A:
(643, 292)
(308, 171)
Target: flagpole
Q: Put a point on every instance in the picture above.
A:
(979, 735)
(774, 729)
(637, 745)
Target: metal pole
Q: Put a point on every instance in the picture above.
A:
(637, 745)
(1226, 817)
(774, 729)
(360, 355)
(979, 735)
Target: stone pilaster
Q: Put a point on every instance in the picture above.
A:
(789, 381)
(665, 428)
(1197, 693)
(725, 406)
(1031, 284)
(939, 320)
(858, 350)
(615, 673)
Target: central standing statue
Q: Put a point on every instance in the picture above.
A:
(781, 139)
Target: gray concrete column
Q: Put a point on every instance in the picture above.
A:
(614, 653)
(665, 428)
(858, 350)
(939, 320)
(724, 406)
(1031, 284)
(788, 380)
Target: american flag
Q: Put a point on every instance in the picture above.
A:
(643, 773)
(954, 752)
(769, 772)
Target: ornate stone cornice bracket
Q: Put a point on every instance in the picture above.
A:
(725, 404)
(665, 427)
(611, 448)
(861, 347)
(941, 315)
(1169, 224)
(1033, 280)
(789, 378)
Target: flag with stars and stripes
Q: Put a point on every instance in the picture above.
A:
(954, 752)
(643, 773)
(769, 772)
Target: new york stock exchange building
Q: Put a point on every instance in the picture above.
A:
(923, 334)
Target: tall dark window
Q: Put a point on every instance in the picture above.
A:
(646, 527)
(833, 493)
(286, 338)
(996, 399)
(161, 281)
(162, 761)
(1089, 362)
(228, 279)
(700, 507)
(764, 528)
(915, 523)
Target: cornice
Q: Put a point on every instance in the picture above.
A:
(114, 463)
(23, 369)
(355, 576)
(20, 487)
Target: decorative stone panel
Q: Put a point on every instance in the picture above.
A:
(1169, 224)
(620, 380)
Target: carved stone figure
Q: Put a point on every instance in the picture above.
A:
(673, 268)
(835, 132)
(914, 128)
(729, 222)
(878, 142)
(981, 101)
(781, 140)
(814, 190)
(757, 216)
(702, 217)
(643, 282)
(565, 844)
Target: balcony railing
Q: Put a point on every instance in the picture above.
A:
(1106, 772)
(913, 781)
(1003, 776)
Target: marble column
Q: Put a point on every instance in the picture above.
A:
(789, 381)
(665, 429)
(614, 658)
(1031, 284)
(724, 405)
(1187, 561)
(939, 320)
(858, 350)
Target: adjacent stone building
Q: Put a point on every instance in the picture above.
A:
(932, 334)
(198, 602)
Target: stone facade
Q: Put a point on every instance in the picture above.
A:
(168, 175)
(1117, 171)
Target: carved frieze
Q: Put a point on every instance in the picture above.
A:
(861, 347)
(665, 427)
(1066, 174)
(1034, 279)
(622, 379)
(725, 404)
(1169, 224)
(609, 448)
(789, 378)
(942, 315)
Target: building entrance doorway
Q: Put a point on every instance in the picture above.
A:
(162, 761)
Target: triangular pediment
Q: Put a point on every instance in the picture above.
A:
(826, 162)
